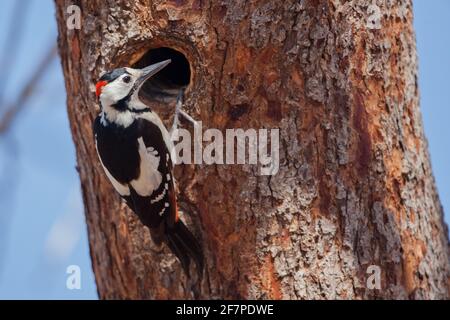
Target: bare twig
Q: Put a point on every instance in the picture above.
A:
(11, 112)
(12, 43)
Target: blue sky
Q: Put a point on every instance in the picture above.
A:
(432, 22)
(44, 201)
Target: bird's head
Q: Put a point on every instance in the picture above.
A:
(116, 88)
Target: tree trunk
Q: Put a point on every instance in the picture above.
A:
(354, 188)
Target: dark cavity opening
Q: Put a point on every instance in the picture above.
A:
(167, 83)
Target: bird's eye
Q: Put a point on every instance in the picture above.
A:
(126, 79)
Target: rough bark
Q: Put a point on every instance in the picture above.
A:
(354, 189)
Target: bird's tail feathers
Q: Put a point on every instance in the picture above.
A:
(185, 246)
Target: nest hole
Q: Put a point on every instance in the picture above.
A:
(167, 83)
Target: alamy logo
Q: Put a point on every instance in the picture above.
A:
(73, 281)
(254, 147)
(374, 280)
(74, 19)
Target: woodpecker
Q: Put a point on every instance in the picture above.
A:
(134, 148)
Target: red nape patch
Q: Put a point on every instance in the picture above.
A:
(99, 86)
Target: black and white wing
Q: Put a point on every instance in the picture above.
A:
(153, 192)
(137, 161)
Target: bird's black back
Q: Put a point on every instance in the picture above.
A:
(118, 149)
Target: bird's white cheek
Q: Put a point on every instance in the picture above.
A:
(106, 97)
(113, 93)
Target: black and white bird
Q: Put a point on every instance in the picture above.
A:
(134, 148)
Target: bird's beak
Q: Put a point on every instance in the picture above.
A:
(151, 70)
